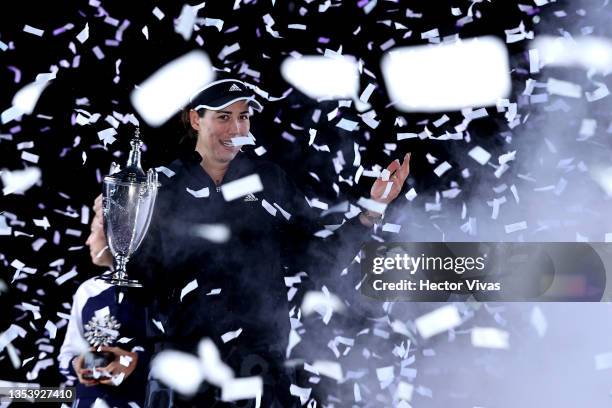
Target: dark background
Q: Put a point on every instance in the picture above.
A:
(68, 184)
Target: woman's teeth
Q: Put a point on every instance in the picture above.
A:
(227, 143)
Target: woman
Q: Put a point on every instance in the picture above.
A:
(238, 280)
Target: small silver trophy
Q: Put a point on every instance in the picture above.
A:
(128, 199)
(100, 331)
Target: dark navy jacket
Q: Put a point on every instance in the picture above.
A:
(95, 297)
(247, 268)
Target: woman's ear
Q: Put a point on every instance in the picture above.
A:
(194, 120)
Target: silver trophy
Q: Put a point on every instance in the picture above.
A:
(128, 199)
(100, 331)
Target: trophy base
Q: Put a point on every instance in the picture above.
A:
(96, 360)
(113, 279)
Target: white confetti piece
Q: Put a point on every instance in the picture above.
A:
(19, 181)
(107, 136)
(367, 92)
(372, 205)
(241, 187)
(227, 50)
(215, 371)
(294, 340)
(480, 155)
(404, 391)
(118, 379)
(180, 371)
(329, 369)
(297, 26)
(514, 193)
(518, 226)
(30, 157)
(10, 114)
(214, 22)
(394, 228)
(13, 356)
(468, 73)
(158, 13)
(403, 136)
(369, 119)
(214, 292)
(243, 140)
(191, 286)
(538, 321)
(99, 402)
(44, 223)
(601, 92)
(186, 20)
(26, 98)
(11, 334)
(534, 61)
(322, 303)
(518, 34)
(388, 187)
(324, 233)
(84, 34)
(387, 44)
(563, 88)
(442, 168)
(603, 177)
(51, 328)
(161, 95)
(33, 30)
(242, 388)
(347, 125)
(125, 360)
(231, 335)
(603, 361)
(588, 52)
(438, 321)
(201, 193)
(385, 374)
(411, 194)
(323, 77)
(166, 171)
(302, 393)
(217, 233)
(490, 337)
(6, 230)
(587, 128)
(65, 277)
(441, 121)
(260, 151)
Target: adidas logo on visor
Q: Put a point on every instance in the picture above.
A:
(235, 87)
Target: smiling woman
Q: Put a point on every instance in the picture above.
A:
(269, 224)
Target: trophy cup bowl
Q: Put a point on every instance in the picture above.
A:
(128, 199)
(127, 207)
